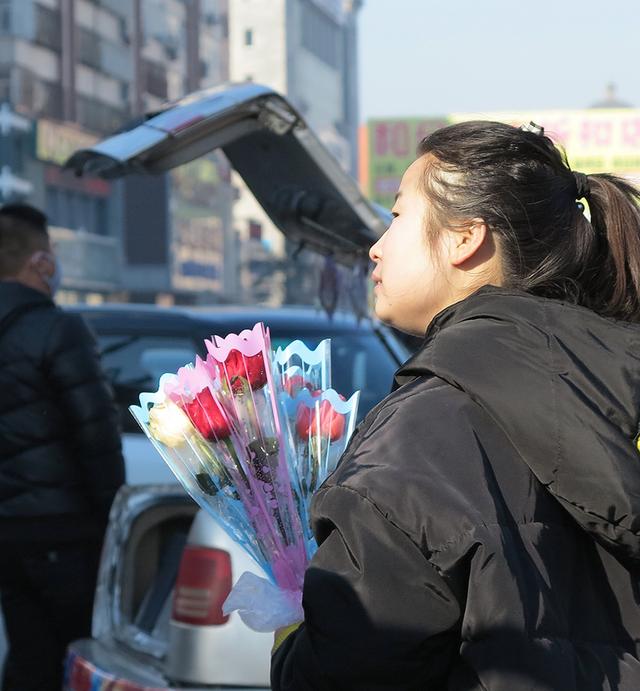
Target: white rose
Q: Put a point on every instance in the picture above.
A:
(169, 424)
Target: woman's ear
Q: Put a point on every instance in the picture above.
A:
(467, 242)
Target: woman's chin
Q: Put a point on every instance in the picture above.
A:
(381, 313)
(388, 318)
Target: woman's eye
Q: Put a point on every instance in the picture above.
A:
(394, 214)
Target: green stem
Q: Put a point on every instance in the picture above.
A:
(229, 444)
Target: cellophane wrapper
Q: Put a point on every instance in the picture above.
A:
(230, 428)
(318, 421)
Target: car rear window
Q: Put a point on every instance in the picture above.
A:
(134, 363)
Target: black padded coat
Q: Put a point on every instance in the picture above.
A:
(481, 532)
(60, 455)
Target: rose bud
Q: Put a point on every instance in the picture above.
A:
(168, 424)
(207, 416)
(242, 370)
(331, 424)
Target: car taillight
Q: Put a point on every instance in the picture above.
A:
(203, 584)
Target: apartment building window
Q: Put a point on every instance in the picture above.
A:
(5, 17)
(48, 29)
(75, 210)
(255, 230)
(123, 30)
(248, 37)
(98, 116)
(321, 35)
(89, 44)
(5, 83)
(155, 79)
(34, 94)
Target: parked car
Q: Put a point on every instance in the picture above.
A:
(166, 566)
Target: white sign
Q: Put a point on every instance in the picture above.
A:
(10, 184)
(12, 121)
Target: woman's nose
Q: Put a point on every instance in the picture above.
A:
(375, 252)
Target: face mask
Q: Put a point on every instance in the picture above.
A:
(53, 281)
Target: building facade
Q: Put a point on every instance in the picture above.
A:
(72, 71)
(306, 49)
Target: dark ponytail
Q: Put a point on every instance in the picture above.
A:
(520, 184)
(615, 214)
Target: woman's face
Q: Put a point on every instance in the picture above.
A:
(411, 275)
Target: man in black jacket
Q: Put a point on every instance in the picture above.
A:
(60, 459)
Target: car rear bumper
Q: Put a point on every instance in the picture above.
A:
(87, 662)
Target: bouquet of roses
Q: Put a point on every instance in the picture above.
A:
(251, 434)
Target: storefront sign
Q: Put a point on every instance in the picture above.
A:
(56, 141)
(197, 234)
(55, 176)
(391, 148)
(595, 141)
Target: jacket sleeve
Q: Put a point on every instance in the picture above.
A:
(86, 400)
(378, 615)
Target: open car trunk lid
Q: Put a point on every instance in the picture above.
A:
(302, 188)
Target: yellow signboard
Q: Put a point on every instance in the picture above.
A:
(391, 148)
(56, 141)
(596, 140)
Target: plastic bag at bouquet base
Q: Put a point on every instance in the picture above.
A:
(226, 426)
(263, 606)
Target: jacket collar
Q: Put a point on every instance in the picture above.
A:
(449, 316)
(14, 295)
(563, 384)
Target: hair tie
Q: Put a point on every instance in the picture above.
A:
(582, 185)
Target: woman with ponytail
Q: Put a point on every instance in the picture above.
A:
(482, 531)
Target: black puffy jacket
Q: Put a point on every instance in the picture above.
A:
(60, 456)
(482, 531)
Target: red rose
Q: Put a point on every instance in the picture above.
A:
(331, 424)
(207, 416)
(241, 370)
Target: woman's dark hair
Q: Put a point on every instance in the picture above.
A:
(520, 184)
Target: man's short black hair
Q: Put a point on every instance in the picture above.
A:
(23, 231)
(26, 213)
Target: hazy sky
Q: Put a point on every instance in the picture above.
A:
(430, 57)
